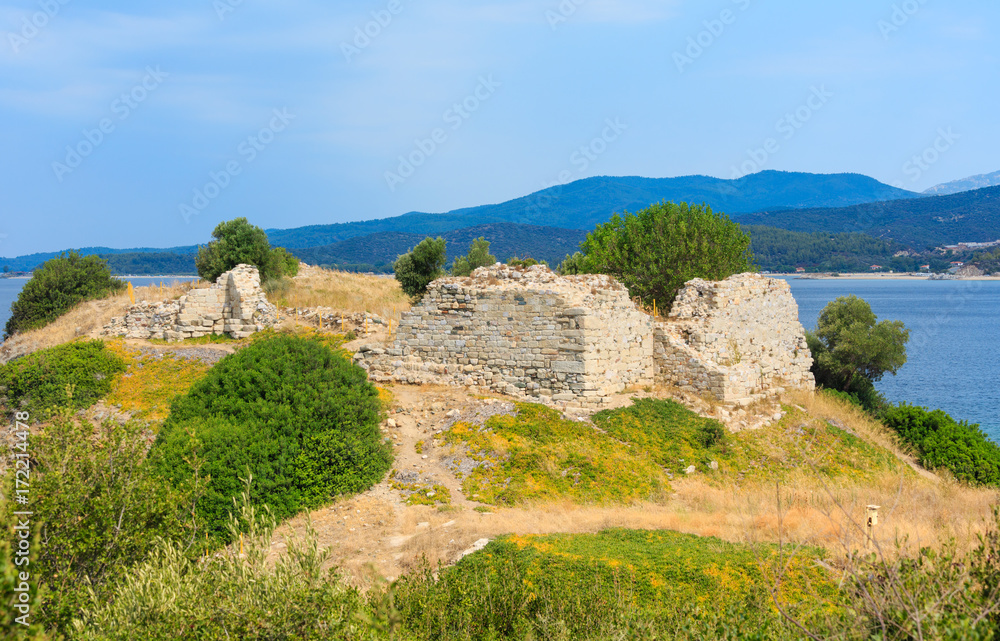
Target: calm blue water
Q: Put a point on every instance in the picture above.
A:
(954, 349)
(11, 287)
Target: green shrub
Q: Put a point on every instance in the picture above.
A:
(229, 596)
(852, 351)
(299, 418)
(656, 251)
(942, 442)
(527, 261)
(478, 256)
(619, 584)
(56, 287)
(421, 266)
(13, 607)
(38, 382)
(237, 241)
(100, 508)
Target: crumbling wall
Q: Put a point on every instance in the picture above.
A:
(523, 332)
(235, 304)
(580, 339)
(736, 339)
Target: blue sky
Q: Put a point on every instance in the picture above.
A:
(125, 125)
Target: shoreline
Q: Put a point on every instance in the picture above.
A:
(926, 277)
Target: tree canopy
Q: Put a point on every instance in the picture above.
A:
(237, 241)
(655, 251)
(57, 286)
(422, 265)
(478, 256)
(852, 350)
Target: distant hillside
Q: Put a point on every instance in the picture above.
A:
(31, 261)
(966, 184)
(586, 203)
(379, 250)
(920, 223)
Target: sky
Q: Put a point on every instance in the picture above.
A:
(128, 124)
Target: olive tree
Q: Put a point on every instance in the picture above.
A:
(478, 256)
(852, 349)
(655, 251)
(423, 264)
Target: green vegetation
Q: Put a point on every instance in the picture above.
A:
(151, 263)
(172, 596)
(656, 251)
(152, 381)
(539, 456)
(298, 418)
(74, 375)
(422, 265)
(58, 286)
(527, 261)
(618, 584)
(852, 351)
(942, 442)
(101, 508)
(478, 256)
(237, 241)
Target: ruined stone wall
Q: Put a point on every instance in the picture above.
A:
(580, 339)
(737, 339)
(522, 332)
(235, 304)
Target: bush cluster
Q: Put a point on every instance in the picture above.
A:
(74, 375)
(942, 442)
(237, 241)
(56, 287)
(298, 418)
(421, 266)
(656, 251)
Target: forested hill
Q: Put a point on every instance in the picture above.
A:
(921, 223)
(377, 252)
(586, 203)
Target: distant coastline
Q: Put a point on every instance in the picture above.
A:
(883, 276)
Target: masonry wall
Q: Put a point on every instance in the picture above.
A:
(235, 304)
(736, 339)
(523, 332)
(580, 339)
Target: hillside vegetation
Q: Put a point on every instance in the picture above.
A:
(921, 223)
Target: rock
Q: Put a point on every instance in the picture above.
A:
(391, 423)
(691, 470)
(714, 465)
(475, 547)
(453, 414)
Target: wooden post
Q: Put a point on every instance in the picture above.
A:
(870, 525)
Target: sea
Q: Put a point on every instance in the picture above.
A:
(954, 349)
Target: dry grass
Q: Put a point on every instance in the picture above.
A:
(86, 320)
(346, 292)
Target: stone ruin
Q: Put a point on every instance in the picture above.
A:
(235, 304)
(579, 340)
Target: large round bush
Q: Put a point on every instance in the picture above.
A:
(298, 417)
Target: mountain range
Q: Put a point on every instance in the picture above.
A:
(966, 184)
(551, 223)
(584, 204)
